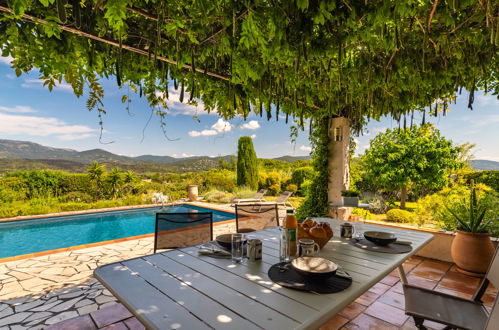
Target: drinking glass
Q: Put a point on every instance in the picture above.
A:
(359, 229)
(237, 248)
(284, 247)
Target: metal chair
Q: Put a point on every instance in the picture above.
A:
(454, 312)
(174, 230)
(251, 217)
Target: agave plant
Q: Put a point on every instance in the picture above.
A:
(471, 214)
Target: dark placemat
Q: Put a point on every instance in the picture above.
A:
(284, 275)
(390, 248)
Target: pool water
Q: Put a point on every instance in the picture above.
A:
(42, 234)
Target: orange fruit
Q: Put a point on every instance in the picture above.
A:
(318, 232)
(302, 232)
(309, 223)
(328, 229)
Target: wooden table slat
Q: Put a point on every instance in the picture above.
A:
(151, 306)
(239, 303)
(247, 287)
(205, 308)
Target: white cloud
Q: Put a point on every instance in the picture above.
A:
(205, 132)
(487, 99)
(179, 108)
(183, 155)
(38, 83)
(253, 124)
(6, 60)
(18, 109)
(43, 126)
(253, 136)
(220, 126)
(305, 148)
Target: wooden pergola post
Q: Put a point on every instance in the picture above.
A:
(339, 165)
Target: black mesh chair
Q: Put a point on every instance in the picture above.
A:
(174, 230)
(251, 217)
(454, 312)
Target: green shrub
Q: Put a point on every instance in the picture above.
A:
(67, 207)
(397, 215)
(489, 178)
(292, 187)
(262, 180)
(244, 192)
(219, 179)
(274, 189)
(76, 197)
(175, 195)
(377, 205)
(363, 213)
(273, 178)
(301, 174)
(216, 196)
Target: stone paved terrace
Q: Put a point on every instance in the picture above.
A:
(58, 291)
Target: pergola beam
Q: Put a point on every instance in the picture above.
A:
(37, 20)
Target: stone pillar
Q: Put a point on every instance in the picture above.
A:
(339, 165)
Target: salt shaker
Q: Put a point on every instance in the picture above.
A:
(254, 250)
(346, 230)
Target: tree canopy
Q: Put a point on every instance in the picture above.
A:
(417, 156)
(302, 58)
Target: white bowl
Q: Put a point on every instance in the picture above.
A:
(314, 267)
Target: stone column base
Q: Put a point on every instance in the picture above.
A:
(341, 213)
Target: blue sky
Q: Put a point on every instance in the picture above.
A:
(29, 112)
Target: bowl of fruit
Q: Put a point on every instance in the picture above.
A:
(321, 232)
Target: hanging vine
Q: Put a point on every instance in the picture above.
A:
(306, 59)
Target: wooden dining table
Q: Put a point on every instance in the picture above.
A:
(180, 289)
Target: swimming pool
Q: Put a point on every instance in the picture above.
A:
(42, 234)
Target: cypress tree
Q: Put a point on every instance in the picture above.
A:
(247, 167)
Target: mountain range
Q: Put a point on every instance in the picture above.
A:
(29, 155)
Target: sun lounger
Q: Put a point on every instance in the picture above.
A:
(282, 200)
(257, 198)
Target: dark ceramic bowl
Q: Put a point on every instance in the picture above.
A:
(380, 237)
(314, 267)
(225, 241)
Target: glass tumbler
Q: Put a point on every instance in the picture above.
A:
(284, 247)
(237, 246)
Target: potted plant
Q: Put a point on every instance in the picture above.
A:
(471, 249)
(350, 198)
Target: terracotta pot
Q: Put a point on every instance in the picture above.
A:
(472, 253)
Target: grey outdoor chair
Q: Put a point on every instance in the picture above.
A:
(454, 312)
(174, 230)
(282, 200)
(258, 197)
(251, 217)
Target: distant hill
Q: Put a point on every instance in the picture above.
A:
(484, 165)
(291, 159)
(24, 155)
(30, 150)
(156, 159)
